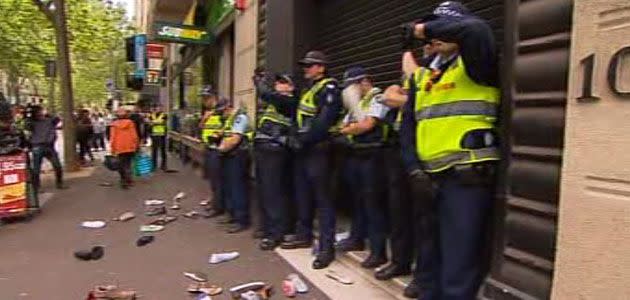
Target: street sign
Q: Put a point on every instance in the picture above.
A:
(178, 33)
(140, 51)
(153, 77)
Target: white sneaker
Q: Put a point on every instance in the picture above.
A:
(153, 202)
(93, 224)
(151, 228)
(223, 257)
(300, 285)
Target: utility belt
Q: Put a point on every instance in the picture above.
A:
(480, 174)
(364, 151)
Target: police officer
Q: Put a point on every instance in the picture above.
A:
(211, 125)
(318, 111)
(450, 119)
(157, 120)
(367, 135)
(234, 148)
(273, 158)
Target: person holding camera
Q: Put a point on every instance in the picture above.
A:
(448, 133)
(273, 157)
(42, 131)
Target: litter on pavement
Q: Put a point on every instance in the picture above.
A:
(96, 224)
(341, 278)
(196, 276)
(144, 240)
(151, 228)
(204, 202)
(154, 202)
(300, 285)
(95, 253)
(111, 292)
(203, 297)
(205, 288)
(237, 292)
(163, 220)
(179, 196)
(155, 211)
(217, 258)
(288, 288)
(125, 217)
(191, 214)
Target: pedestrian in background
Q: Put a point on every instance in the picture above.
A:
(124, 144)
(98, 123)
(84, 133)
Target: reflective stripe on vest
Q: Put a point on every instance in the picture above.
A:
(158, 124)
(308, 107)
(271, 114)
(212, 126)
(461, 108)
(446, 111)
(229, 123)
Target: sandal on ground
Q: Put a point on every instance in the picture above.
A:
(338, 277)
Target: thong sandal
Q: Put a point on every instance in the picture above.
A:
(339, 277)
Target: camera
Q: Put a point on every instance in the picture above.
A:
(408, 37)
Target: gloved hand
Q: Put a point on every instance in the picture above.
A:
(407, 37)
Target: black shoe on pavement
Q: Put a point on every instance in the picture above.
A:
(324, 259)
(349, 244)
(237, 228)
(296, 244)
(269, 244)
(391, 271)
(412, 290)
(373, 261)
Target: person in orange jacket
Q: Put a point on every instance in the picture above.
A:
(124, 144)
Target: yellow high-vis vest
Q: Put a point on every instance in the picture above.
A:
(308, 108)
(158, 124)
(446, 112)
(212, 126)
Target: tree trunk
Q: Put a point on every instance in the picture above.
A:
(65, 79)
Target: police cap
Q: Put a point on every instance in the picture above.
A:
(314, 58)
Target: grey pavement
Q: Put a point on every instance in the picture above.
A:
(36, 257)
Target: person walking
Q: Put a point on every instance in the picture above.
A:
(157, 120)
(43, 135)
(448, 131)
(124, 144)
(98, 123)
(85, 132)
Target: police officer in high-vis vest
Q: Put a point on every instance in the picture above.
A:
(234, 149)
(367, 134)
(317, 111)
(158, 121)
(450, 119)
(273, 157)
(211, 125)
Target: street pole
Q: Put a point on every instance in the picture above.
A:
(67, 102)
(51, 96)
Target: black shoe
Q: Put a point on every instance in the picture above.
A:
(412, 290)
(391, 271)
(297, 244)
(373, 261)
(237, 228)
(156, 211)
(97, 252)
(144, 240)
(269, 244)
(323, 260)
(347, 245)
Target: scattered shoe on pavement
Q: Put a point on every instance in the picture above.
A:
(250, 295)
(191, 214)
(300, 285)
(205, 288)
(154, 202)
(93, 224)
(125, 217)
(151, 228)
(145, 240)
(288, 288)
(196, 276)
(218, 258)
(341, 278)
(175, 207)
(179, 196)
(238, 290)
(111, 292)
(156, 211)
(163, 220)
(95, 253)
(204, 202)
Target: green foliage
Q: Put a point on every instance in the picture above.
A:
(96, 33)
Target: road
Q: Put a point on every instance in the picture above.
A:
(36, 257)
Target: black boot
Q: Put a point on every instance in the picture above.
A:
(373, 261)
(324, 259)
(412, 290)
(391, 271)
(350, 244)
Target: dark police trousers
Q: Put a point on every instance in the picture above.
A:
(365, 174)
(235, 178)
(312, 192)
(273, 171)
(215, 177)
(404, 211)
(158, 143)
(453, 258)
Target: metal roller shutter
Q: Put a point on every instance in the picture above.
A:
(366, 32)
(262, 34)
(536, 92)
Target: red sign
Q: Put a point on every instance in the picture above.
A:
(155, 51)
(13, 183)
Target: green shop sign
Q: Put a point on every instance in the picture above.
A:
(177, 33)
